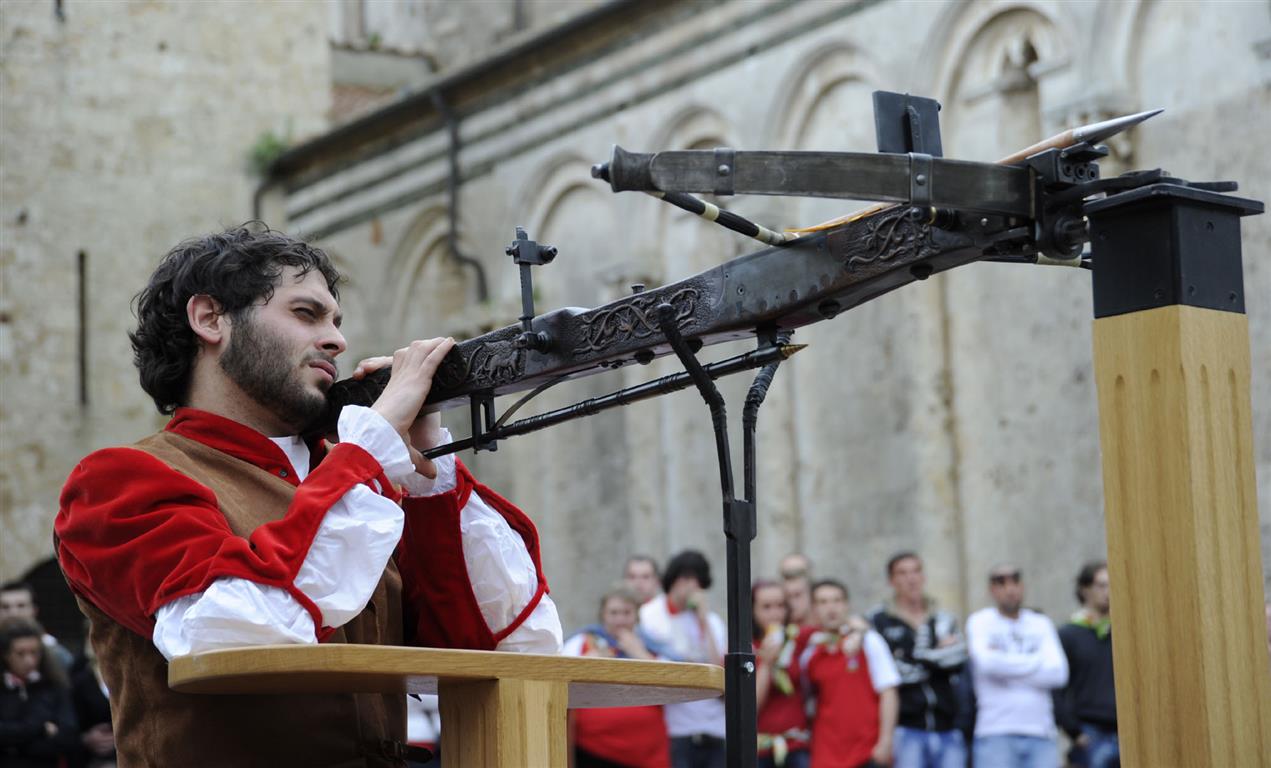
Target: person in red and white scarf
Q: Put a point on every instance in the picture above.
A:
(852, 683)
(779, 697)
(625, 737)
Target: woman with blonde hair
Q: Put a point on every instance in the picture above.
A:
(617, 737)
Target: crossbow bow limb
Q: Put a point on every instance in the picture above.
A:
(941, 214)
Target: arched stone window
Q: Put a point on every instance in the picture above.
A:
(828, 107)
(577, 215)
(996, 81)
(688, 244)
(430, 291)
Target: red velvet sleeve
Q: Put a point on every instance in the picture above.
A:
(440, 609)
(133, 534)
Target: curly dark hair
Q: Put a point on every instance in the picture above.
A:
(690, 562)
(237, 268)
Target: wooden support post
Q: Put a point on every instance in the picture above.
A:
(1171, 355)
(504, 722)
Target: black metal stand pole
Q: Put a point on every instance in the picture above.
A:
(739, 529)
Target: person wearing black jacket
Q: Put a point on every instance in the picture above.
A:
(37, 723)
(930, 653)
(92, 709)
(1087, 707)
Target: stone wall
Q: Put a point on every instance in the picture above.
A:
(126, 127)
(956, 417)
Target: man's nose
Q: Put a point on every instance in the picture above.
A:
(333, 342)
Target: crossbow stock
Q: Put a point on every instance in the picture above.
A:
(941, 214)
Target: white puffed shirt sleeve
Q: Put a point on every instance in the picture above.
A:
(500, 569)
(882, 667)
(344, 563)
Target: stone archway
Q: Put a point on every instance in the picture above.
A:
(429, 291)
(1015, 339)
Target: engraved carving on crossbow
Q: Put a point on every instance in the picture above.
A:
(491, 364)
(634, 320)
(889, 234)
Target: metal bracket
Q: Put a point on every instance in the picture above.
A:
(725, 170)
(920, 183)
(481, 407)
(526, 253)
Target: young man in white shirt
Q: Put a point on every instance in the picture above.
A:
(681, 622)
(1016, 661)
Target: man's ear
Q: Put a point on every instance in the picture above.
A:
(206, 319)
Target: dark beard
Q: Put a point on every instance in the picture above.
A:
(257, 361)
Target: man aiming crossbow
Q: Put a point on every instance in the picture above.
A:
(230, 527)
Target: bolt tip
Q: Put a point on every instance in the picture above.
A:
(788, 350)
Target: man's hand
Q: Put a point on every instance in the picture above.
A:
(853, 639)
(882, 752)
(770, 648)
(100, 739)
(696, 602)
(630, 644)
(401, 401)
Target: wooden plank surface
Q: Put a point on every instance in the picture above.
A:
(592, 682)
(1189, 645)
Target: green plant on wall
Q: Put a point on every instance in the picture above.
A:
(267, 148)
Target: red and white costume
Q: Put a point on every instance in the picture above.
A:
(148, 545)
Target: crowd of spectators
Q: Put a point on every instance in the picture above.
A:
(904, 684)
(54, 708)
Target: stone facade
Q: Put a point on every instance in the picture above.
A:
(126, 127)
(956, 417)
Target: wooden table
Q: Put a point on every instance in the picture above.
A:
(498, 709)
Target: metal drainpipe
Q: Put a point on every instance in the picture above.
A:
(258, 195)
(452, 186)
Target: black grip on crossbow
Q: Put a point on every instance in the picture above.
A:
(363, 391)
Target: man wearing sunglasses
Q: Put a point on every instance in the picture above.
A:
(1016, 661)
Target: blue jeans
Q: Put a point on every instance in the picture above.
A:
(1010, 751)
(915, 748)
(1103, 750)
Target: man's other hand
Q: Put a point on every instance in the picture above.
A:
(413, 369)
(881, 754)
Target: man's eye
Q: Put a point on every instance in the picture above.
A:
(305, 312)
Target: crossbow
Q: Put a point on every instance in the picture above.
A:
(936, 214)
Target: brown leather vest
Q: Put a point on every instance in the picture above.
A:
(156, 726)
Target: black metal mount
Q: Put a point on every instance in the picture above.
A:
(1168, 243)
(525, 254)
(905, 123)
(740, 709)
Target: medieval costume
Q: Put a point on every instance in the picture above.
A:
(209, 535)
